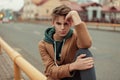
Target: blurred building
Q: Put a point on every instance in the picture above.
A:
(95, 12)
(110, 2)
(41, 9)
(45, 8)
(92, 11)
(29, 10)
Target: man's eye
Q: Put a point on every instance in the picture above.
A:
(65, 24)
(58, 23)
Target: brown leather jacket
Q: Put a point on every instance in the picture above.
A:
(71, 45)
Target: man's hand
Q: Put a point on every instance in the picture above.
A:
(74, 17)
(82, 63)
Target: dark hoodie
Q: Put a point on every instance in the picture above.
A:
(57, 44)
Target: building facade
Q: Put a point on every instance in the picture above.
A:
(110, 2)
(29, 10)
(88, 11)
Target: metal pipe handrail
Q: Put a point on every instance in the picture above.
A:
(21, 64)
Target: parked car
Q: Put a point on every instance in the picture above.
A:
(5, 20)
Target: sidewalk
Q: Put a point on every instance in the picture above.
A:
(6, 68)
(104, 26)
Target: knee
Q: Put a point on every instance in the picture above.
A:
(84, 51)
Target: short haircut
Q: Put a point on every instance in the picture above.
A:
(61, 10)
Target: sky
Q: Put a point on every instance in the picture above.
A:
(88, 0)
(15, 5)
(96, 0)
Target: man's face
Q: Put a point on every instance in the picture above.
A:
(62, 26)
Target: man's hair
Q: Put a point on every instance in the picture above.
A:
(61, 10)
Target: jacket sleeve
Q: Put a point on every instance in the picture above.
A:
(52, 70)
(83, 37)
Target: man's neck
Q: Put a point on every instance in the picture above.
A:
(57, 38)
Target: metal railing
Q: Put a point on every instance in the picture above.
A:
(21, 64)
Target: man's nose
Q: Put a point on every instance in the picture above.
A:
(62, 26)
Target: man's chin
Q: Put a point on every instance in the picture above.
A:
(63, 35)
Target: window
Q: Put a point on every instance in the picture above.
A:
(94, 14)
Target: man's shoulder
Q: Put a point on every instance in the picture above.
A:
(41, 43)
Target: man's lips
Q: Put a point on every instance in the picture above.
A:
(63, 32)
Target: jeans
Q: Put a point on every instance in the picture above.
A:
(88, 74)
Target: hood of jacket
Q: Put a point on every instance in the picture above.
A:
(49, 34)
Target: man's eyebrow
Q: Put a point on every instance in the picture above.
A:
(58, 22)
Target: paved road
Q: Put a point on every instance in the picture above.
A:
(24, 38)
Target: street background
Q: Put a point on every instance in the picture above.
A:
(24, 38)
(23, 22)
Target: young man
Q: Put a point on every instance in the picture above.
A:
(64, 50)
